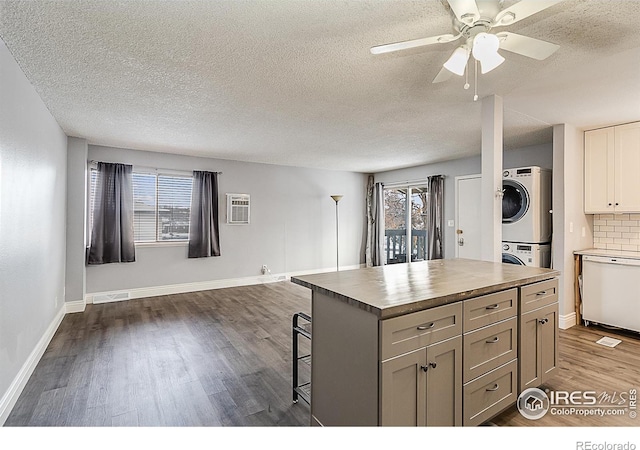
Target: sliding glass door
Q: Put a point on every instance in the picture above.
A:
(405, 205)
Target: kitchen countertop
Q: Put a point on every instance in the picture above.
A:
(397, 289)
(608, 253)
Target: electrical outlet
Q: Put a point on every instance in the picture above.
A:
(265, 269)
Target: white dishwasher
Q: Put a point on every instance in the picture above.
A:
(611, 291)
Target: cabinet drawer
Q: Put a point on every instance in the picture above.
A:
(537, 295)
(412, 331)
(489, 347)
(482, 311)
(488, 395)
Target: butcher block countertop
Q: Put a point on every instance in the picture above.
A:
(393, 290)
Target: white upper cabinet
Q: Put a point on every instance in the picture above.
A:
(612, 170)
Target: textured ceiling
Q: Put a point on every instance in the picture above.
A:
(293, 82)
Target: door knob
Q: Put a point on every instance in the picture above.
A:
(432, 365)
(424, 368)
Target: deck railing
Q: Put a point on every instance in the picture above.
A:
(395, 245)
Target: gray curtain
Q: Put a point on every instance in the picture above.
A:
(376, 238)
(112, 231)
(435, 219)
(369, 243)
(204, 237)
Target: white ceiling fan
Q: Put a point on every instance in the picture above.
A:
(473, 20)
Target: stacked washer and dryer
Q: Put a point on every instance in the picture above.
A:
(526, 216)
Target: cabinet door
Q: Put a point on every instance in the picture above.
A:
(599, 171)
(538, 358)
(444, 383)
(528, 368)
(403, 390)
(627, 168)
(548, 341)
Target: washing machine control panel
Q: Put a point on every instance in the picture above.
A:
(518, 173)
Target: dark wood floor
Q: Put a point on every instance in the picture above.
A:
(223, 357)
(220, 357)
(587, 366)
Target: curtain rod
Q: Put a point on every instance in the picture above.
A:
(411, 182)
(154, 168)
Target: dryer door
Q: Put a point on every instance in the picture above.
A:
(515, 201)
(508, 258)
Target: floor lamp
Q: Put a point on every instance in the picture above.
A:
(337, 198)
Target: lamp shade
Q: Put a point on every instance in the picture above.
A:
(485, 50)
(491, 62)
(458, 61)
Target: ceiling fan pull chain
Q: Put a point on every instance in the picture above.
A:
(466, 75)
(475, 87)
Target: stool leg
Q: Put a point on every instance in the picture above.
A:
(294, 359)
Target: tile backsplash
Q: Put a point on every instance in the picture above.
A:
(616, 231)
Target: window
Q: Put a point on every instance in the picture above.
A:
(174, 207)
(161, 206)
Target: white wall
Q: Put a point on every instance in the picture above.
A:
(292, 224)
(33, 152)
(572, 228)
(537, 155)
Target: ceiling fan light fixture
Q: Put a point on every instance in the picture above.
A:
(485, 50)
(458, 61)
(490, 62)
(485, 44)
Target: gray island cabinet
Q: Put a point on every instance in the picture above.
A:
(433, 343)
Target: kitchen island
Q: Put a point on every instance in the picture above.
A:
(442, 342)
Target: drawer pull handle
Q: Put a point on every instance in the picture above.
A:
(426, 327)
(493, 341)
(542, 293)
(496, 306)
(494, 388)
(543, 321)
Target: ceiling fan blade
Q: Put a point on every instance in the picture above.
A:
(522, 10)
(443, 75)
(465, 10)
(526, 46)
(387, 48)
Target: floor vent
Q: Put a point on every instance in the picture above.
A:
(608, 341)
(115, 297)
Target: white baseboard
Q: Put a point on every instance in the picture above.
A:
(154, 291)
(10, 397)
(567, 321)
(75, 306)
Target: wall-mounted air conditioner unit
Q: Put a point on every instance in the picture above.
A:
(238, 208)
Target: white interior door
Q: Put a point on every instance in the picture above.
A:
(468, 216)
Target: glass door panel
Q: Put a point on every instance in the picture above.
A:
(419, 223)
(395, 228)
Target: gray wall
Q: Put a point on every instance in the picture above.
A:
(33, 152)
(537, 155)
(292, 224)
